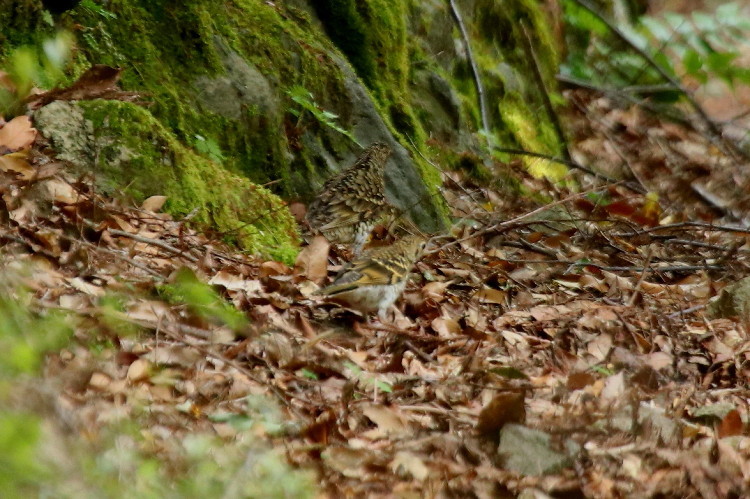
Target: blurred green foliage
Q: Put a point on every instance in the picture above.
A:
(30, 66)
(40, 457)
(699, 45)
(202, 300)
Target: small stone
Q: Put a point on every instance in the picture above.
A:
(529, 452)
(139, 370)
(100, 381)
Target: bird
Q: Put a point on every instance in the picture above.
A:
(353, 202)
(375, 280)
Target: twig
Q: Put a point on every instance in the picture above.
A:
(529, 246)
(637, 288)
(614, 142)
(474, 69)
(687, 242)
(454, 182)
(418, 352)
(548, 107)
(153, 242)
(686, 311)
(673, 268)
(682, 225)
(202, 334)
(513, 221)
(572, 164)
(116, 254)
(662, 111)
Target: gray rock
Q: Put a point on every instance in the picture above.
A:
(652, 420)
(713, 412)
(529, 452)
(244, 88)
(439, 108)
(404, 185)
(71, 133)
(733, 301)
(240, 89)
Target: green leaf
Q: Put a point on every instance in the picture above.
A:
(602, 370)
(383, 386)
(582, 19)
(657, 29)
(304, 98)
(728, 13)
(307, 373)
(98, 9)
(692, 61)
(47, 18)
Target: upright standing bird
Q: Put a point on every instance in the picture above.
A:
(376, 279)
(353, 202)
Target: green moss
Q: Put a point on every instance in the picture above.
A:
(178, 53)
(348, 30)
(499, 39)
(139, 157)
(165, 47)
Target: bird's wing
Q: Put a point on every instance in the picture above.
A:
(365, 273)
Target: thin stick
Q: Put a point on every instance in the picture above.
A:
(548, 107)
(682, 225)
(657, 110)
(672, 268)
(572, 164)
(637, 289)
(474, 69)
(512, 221)
(457, 184)
(153, 242)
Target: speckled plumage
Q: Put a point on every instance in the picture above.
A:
(353, 202)
(376, 279)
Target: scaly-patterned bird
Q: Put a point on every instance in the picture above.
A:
(376, 279)
(353, 202)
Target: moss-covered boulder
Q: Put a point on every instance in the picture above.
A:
(128, 152)
(219, 77)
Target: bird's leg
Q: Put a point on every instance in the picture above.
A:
(360, 328)
(383, 314)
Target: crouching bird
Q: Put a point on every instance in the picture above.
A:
(374, 281)
(353, 202)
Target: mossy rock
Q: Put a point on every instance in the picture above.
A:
(218, 76)
(128, 152)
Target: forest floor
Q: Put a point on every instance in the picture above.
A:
(557, 347)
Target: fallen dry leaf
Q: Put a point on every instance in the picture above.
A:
(17, 163)
(312, 261)
(153, 203)
(17, 134)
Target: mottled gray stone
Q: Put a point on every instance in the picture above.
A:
(529, 452)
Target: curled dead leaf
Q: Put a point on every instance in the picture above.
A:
(435, 290)
(139, 370)
(312, 261)
(17, 134)
(410, 463)
(16, 163)
(153, 203)
(446, 327)
(490, 295)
